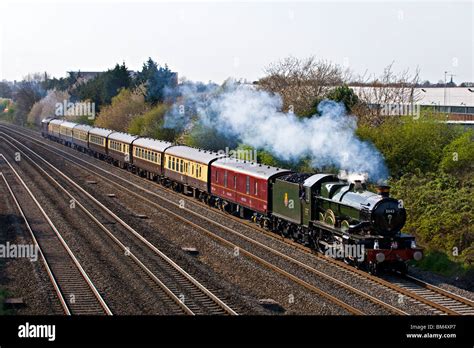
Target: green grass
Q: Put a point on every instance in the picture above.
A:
(440, 263)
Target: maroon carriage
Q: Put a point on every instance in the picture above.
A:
(243, 187)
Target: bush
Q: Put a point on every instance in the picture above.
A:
(439, 211)
(458, 156)
(440, 263)
(410, 146)
(125, 106)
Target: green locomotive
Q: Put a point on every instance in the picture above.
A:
(343, 220)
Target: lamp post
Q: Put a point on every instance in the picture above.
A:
(444, 97)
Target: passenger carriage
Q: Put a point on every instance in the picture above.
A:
(243, 187)
(80, 137)
(189, 168)
(65, 132)
(98, 141)
(53, 129)
(119, 147)
(147, 157)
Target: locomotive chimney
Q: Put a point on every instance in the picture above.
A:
(358, 185)
(383, 190)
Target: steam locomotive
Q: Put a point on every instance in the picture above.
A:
(344, 220)
(339, 218)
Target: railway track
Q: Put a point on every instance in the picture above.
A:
(434, 299)
(75, 291)
(457, 305)
(183, 289)
(260, 260)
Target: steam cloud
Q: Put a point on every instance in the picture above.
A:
(255, 118)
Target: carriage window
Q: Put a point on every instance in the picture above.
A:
(192, 169)
(181, 169)
(256, 187)
(217, 175)
(247, 186)
(235, 182)
(225, 178)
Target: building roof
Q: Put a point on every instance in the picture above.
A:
(455, 96)
(100, 131)
(123, 137)
(250, 168)
(152, 144)
(191, 153)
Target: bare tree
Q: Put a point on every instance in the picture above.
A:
(27, 93)
(300, 82)
(388, 89)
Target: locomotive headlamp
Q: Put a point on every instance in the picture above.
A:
(417, 255)
(380, 257)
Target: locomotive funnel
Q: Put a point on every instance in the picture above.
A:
(383, 190)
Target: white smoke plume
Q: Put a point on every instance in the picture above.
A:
(353, 177)
(256, 119)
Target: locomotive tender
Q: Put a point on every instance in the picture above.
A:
(336, 217)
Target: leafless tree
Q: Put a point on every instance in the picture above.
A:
(387, 89)
(300, 82)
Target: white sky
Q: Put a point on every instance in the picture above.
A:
(214, 40)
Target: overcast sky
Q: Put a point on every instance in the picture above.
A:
(214, 40)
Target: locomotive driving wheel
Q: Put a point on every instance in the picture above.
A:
(330, 217)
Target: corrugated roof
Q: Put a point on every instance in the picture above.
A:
(152, 144)
(250, 168)
(123, 137)
(100, 131)
(453, 96)
(192, 153)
